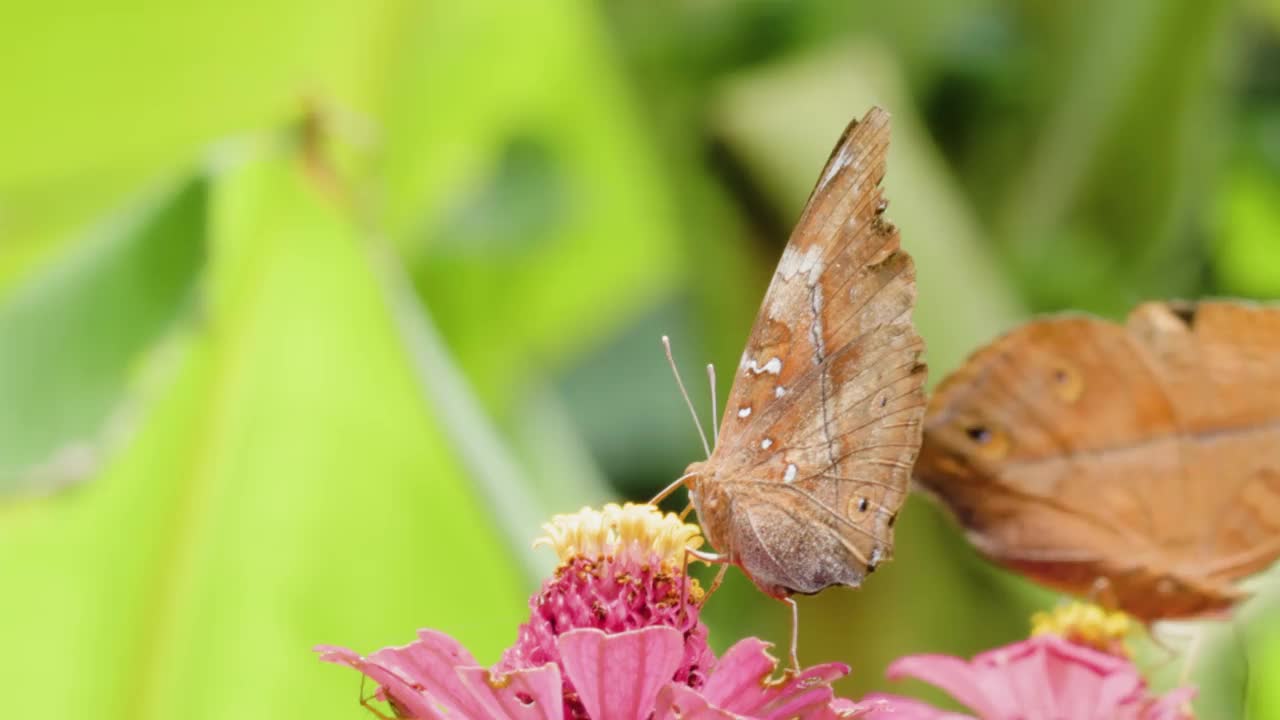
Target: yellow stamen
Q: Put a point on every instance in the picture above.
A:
(641, 531)
(1086, 624)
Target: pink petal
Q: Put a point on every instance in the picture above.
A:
(1052, 676)
(419, 677)
(428, 665)
(1080, 672)
(1045, 676)
(618, 676)
(739, 669)
(533, 694)
(1110, 695)
(847, 706)
(740, 682)
(407, 697)
(1173, 706)
(958, 678)
(892, 707)
(681, 702)
(841, 709)
(1017, 680)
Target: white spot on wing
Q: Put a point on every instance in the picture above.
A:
(807, 261)
(765, 443)
(779, 391)
(815, 330)
(839, 163)
(790, 474)
(745, 412)
(773, 367)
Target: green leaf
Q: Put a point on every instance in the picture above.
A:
(1246, 262)
(291, 489)
(530, 206)
(497, 475)
(1264, 697)
(75, 333)
(90, 88)
(39, 226)
(1123, 156)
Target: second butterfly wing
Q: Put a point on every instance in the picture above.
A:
(823, 422)
(1136, 464)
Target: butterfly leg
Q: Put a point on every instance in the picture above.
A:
(1177, 641)
(709, 558)
(666, 491)
(367, 705)
(706, 557)
(1192, 655)
(715, 584)
(1243, 646)
(1169, 652)
(795, 632)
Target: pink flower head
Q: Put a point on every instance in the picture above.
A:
(613, 635)
(742, 686)
(1043, 678)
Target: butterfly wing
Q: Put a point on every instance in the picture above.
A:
(1220, 364)
(1077, 450)
(823, 422)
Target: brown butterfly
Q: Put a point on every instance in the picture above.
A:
(1136, 463)
(814, 454)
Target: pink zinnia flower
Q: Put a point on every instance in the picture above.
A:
(613, 635)
(1047, 677)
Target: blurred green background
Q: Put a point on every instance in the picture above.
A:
(310, 313)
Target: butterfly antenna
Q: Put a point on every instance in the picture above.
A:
(715, 412)
(666, 343)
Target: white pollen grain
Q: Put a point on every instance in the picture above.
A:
(745, 412)
(790, 474)
(765, 443)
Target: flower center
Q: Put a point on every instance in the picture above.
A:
(631, 532)
(1086, 624)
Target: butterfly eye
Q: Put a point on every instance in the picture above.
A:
(978, 433)
(991, 444)
(1067, 383)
